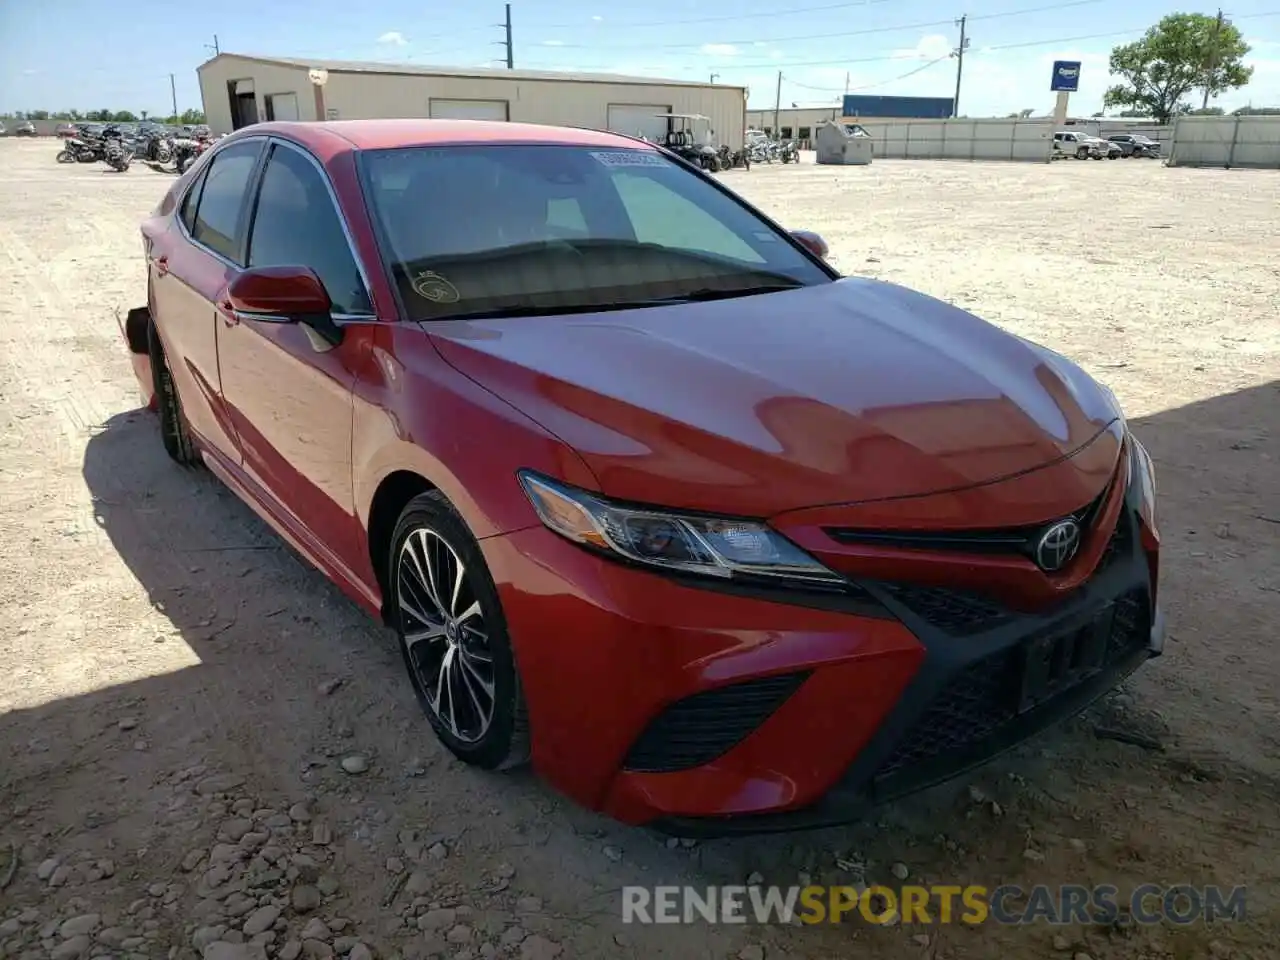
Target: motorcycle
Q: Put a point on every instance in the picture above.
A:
(788, 152)
(76, 150)
(118, 154)
(184, 151)
(156, 147)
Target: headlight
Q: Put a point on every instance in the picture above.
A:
(687, 543)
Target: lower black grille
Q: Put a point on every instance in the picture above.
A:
(949, 610)
(1118, 545)
(988, 693)
(707, 725)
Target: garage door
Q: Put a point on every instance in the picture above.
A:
(639, 119)
(282, 106)
(469, 109)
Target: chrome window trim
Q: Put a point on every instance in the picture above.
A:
(182, 227)
(339, 318)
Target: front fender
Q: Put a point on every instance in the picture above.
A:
(416, 413)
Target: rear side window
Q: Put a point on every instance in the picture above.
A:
(222, 198)
(190, 202)
(296, 223)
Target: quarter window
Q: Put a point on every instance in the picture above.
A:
(296, 224)
(190, 202)
(218, 217)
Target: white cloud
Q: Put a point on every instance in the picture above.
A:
(553, 43)
(597, 19)
(29, 73)
(393, 38)
(932, 46)
(719, 49)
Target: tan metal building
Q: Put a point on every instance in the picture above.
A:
(238, 90)
(792, 122)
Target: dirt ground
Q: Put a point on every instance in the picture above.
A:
(183, 690)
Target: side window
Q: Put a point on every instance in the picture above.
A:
(296, 224)
(218, 217)
(189, 202)
(660, 215)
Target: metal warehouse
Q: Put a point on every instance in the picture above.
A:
(239, 90)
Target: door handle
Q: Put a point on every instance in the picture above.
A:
(228, 313)
(162, 265)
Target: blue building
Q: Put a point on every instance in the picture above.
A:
(915, 108)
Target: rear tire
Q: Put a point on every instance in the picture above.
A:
(173, 423)
(444, 606)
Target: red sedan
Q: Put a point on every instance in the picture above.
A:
(652, 496)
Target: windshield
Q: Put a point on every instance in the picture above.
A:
(518, 229)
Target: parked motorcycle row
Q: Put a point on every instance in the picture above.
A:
(763, 149)
(118, 147)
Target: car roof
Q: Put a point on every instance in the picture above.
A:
(382, 134)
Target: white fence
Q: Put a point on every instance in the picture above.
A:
(1226, 142)
(1028, 140)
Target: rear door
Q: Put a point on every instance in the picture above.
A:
(289, 394)
(188, 274)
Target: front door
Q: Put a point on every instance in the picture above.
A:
(289, 394)
(187, 274)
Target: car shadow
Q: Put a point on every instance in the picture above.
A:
(254, 660)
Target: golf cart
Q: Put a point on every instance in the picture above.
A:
(689, 136)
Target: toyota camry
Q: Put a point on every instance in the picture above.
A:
(718, 539)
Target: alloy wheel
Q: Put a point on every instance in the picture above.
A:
(445, 635)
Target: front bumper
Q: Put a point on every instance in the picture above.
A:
(705, 712)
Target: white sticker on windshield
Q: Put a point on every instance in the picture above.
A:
(629, 158)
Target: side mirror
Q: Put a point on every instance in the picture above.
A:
(812, 242)
(292, 294)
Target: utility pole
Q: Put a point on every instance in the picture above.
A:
(958, 53)
(715, 77)
(777, 105)
(1213, 60)
(173, 91)
(213, 46)
(511, 54)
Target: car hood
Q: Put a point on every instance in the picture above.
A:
(844, 392)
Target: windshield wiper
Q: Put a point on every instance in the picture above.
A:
(704, 294)
(693, 296)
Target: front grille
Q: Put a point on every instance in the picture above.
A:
(1118, 546)
(1131, 628)
(1007, 541)
(950, 610)
(972, 707)
(707, 725)
(986, 695)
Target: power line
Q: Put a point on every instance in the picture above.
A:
(903, 27)
(771, 15)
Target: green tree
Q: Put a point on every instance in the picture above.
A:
(192, 117)
(1181, 53)
(123, 116)
(1207, 112)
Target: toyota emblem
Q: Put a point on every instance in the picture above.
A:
(1057, 545)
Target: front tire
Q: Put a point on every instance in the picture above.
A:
(453, 636)
(173, 423)
(64, 156)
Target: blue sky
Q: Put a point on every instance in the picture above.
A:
(92, 54)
